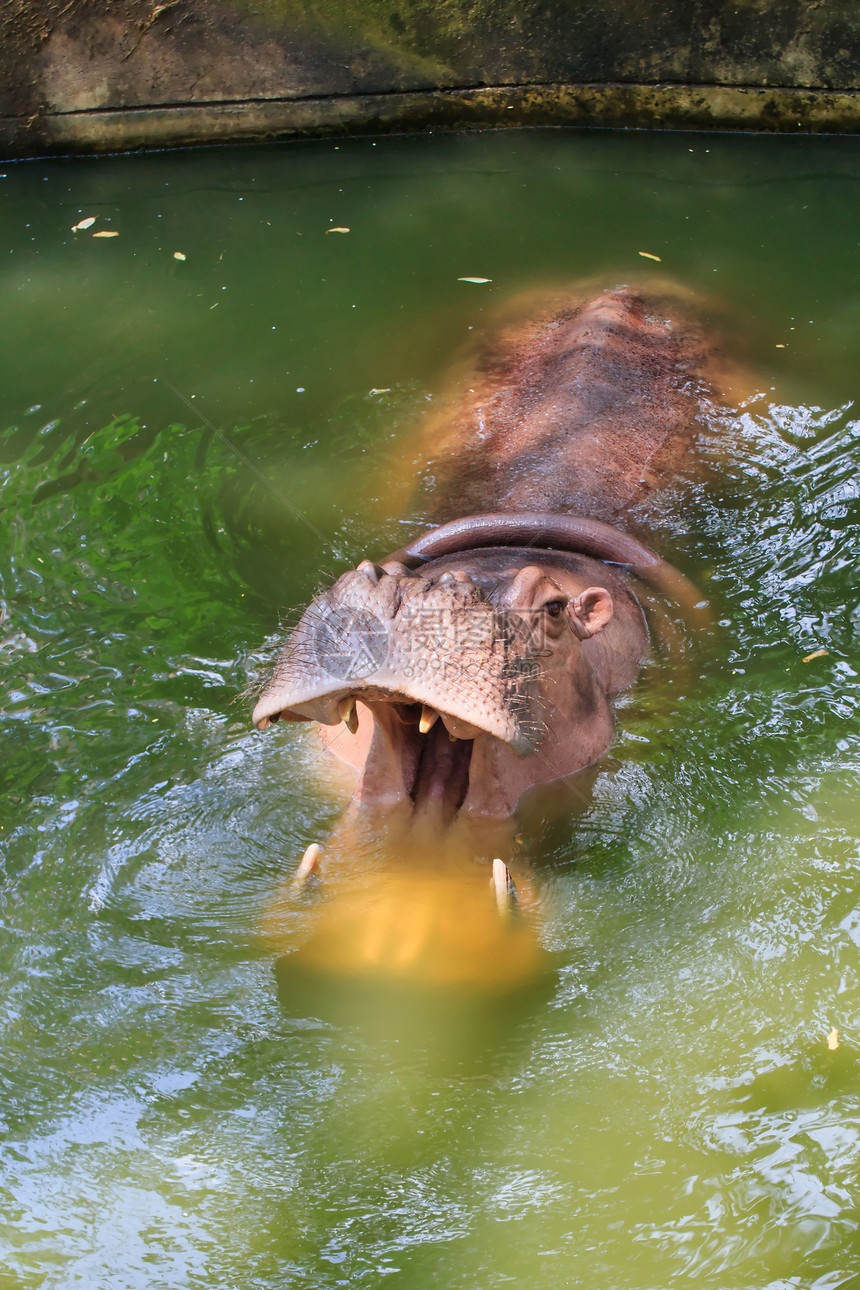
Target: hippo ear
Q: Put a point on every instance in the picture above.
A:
(590, 611)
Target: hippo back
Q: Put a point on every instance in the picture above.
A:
(587, 408)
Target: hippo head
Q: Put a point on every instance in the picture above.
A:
(457, 687)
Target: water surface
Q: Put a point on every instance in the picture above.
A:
(187, 446)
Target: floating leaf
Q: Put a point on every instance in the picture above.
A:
(337, 230)
(474, 279)
(649, 256)
(106, 233)
(84, 223)
(816, 653)
(833, 1040)
(179, 255)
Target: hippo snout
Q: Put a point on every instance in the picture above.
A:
(384, 633)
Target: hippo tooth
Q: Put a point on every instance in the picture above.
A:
(503, 886)
(346, 710)
(428, 719)
(307, 864)
(446, 578)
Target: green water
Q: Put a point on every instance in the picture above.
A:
(187, 447)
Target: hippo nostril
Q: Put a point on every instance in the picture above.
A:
(455, 575)
(398, 570)
(370, 570)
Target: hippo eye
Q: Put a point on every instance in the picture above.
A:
(555, 608)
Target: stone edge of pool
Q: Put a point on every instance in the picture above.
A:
(625, 106)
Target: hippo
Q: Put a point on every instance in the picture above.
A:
(483, 658)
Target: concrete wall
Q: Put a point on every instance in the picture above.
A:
(96, 75)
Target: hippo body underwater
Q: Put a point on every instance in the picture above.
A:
(483, 658)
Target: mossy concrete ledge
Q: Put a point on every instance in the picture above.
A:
(693, 107)
(106, 75)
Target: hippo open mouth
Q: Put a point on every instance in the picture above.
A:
(406, 675)
(414, 754)
(404, 751)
